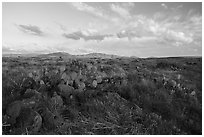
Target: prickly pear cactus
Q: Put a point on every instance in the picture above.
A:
(13, 111)
(37, 123)
(57, 101)
(94, 83)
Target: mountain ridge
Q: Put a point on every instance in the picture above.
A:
(64, 54)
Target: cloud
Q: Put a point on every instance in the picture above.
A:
(85, 7)
(120, 10)
(129, 34)
(177, 8)
(164, 5)
(75, 35)
(128, 4)
(62, 27)
(196, 19)
(6, 49)
(86, 35)
(159, 15)
(140, 27)
(170, 32)
(177, 37)
(30, 29)
(97, 12)
(180, 6)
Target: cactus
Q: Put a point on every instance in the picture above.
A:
(94, 83)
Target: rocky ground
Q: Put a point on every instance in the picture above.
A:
(101, 96)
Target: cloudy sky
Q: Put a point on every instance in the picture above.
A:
(128, 29)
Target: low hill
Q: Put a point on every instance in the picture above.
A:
(56, 54)
(97, 55)
(67, 55)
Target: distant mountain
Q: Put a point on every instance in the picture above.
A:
(19, 55)
(98, 55)
(67, 55)
(134, 57)
(64, 55)
(56, 54)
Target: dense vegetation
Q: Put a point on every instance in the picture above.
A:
(102, 96)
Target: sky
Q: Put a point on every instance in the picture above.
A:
(149, 29)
